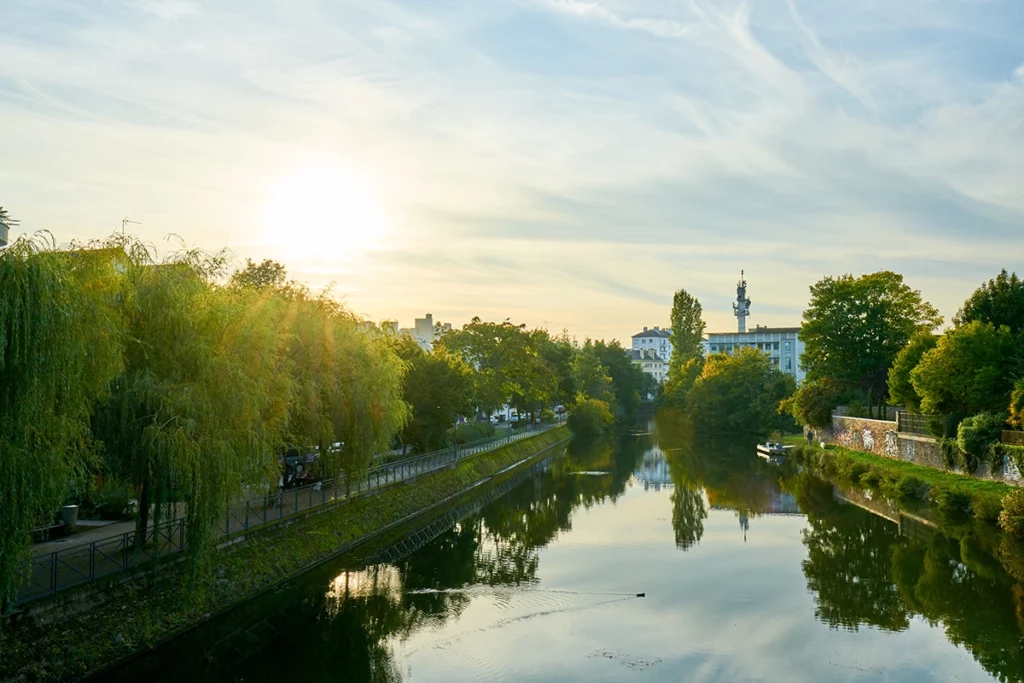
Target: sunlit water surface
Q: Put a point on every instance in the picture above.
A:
(750, 573)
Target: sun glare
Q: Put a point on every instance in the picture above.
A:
(324, 211)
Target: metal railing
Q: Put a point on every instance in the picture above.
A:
(912, 423)
(47, 575)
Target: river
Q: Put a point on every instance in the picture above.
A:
(749, 572)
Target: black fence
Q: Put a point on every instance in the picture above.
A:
(912, 423)
(47, 575)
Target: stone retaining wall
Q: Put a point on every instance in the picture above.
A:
(880, 437)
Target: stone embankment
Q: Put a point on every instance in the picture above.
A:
(885, 438)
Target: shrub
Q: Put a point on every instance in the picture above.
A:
(1011, 518)
(855, 471)
(547, 415)
(906, 487)
(976, 436)
(871, 479)
(590, 417)
(474, 431)
(987, 508)
(953, 499)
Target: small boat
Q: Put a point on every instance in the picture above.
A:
(770, 449)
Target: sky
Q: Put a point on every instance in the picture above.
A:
(563, 163)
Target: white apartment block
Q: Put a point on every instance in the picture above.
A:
(650, 362)
(782, 344)
(657, 340)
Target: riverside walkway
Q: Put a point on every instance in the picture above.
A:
(99, 552)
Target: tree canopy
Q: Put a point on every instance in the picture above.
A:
(687, 351)
(438, 388)
(855, 327)
(966, 372)
(740, 394)
(901, 389)
(1000, 301)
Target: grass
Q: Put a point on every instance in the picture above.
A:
(909, 482)
(144, 612)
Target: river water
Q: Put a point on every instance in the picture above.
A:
(750, 572)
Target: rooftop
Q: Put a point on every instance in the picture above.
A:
(644, 354)
(656, 332)
(757, 330)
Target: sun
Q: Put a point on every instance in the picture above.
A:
(324, 211)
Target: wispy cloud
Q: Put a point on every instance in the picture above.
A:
(537, 158)
(665, 28)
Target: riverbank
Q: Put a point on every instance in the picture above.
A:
(140, 614)
(949, 491)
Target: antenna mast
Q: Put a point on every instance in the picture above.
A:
(741, 307)
(125, 221)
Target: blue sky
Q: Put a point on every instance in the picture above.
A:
(562, 162)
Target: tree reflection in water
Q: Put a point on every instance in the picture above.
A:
(864, 570)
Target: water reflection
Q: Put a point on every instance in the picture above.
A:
(528, 582)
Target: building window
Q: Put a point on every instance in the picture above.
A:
(789, 363)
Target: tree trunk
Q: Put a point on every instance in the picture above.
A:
(141, 528)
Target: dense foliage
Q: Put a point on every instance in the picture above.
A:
(155, 373)
(438, 389)
(855, 327)
(590, 417)
(740, 393)
(966, 372)
(813, 402)
(1000, 302)
(901, 389)
(687, 352)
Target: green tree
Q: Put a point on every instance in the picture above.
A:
(901, 389)
(855, 327)
(965, 374)
(59, 350)
(629, 383)
(976, 435)
(510, 367)
(590, 417)
(590, 376)
(558, 352)
(740, 393)
(269, 273)
(1017, 404)
(687, 352)
(1000, 302)
(813, 402)
(438, 388)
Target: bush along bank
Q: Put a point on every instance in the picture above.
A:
(908, 485)
(140, 614)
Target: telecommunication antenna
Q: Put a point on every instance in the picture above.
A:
(125, 221)
(741, 307)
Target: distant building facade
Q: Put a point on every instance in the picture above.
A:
(424, 330)
(657, 339)
(650, 362)
(782, 344)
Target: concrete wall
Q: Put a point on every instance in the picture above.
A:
(881, 438)
(874, 436)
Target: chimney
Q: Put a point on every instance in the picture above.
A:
(656, 328)
(645, 329)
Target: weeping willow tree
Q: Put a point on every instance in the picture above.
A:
(60, 338)
(348, 382)
(199, 411)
